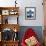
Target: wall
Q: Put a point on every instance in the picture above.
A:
(27, 3)
(39, 13)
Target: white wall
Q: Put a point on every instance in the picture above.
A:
(27, 3)
(39, 13)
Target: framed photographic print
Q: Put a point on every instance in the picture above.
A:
(30, 13)
(5, 12)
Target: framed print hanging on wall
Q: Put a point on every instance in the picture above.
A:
(30, 13)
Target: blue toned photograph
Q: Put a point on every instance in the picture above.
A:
(30, 13)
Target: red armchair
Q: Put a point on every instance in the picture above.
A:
(29, 34)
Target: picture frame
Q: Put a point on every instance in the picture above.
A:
(5, 12)
(30, 13)
(13, 12)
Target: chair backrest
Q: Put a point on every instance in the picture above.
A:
(29, 32)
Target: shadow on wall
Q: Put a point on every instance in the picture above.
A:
(37, 29)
